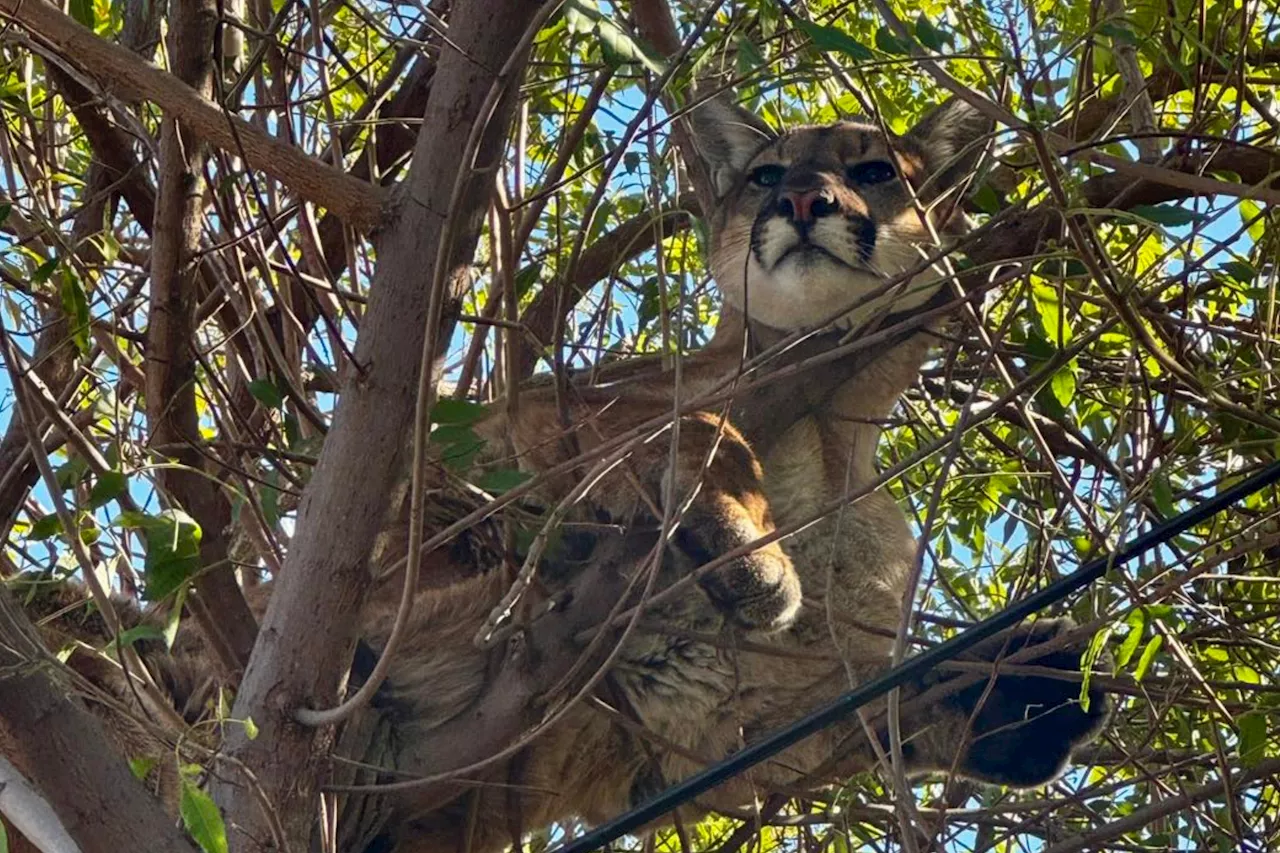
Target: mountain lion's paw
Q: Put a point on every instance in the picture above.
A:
(758, 590)
(1027, 727)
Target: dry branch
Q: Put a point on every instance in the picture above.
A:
(1171, 805)
(114, 170)
(356, 202)
(597, 262)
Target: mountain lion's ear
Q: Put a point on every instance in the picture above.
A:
(726, 136)
(952, 137)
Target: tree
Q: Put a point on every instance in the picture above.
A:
(221, 274)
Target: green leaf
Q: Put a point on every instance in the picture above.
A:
(76, 307)
(270, 504)
(929, 35)
(172, 542)
(141, 767)
(293, 433)
(502, 480)
(89, 532)
(82, 11)
(202, 819)
(70, 473)
(45, 526)
(616, 44)
(455, 434)
(749, 55)
(266, 393)
(129, 636)
(174, 619)
(451, 411)
(1088, 659)
(1148, 655)
(250, 728)
(1137, 622)
(110, 485)
(527, 278)
(1063, 386)
(987, 199)
(1253, 737)
(1057, 328)
(891, 44)
(1118, 33)
(44, 271)
(1166, 214)
(1162, 494)
(838, 41)
(459, 457)
(1250, 212)
(1240, 271)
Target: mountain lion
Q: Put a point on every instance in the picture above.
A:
(810, 225)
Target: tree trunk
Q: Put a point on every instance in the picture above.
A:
(311, 625)
(171, 340)
(63, 751)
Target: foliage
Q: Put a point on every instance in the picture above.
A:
(1113, 419)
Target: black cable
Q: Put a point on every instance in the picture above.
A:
(846, 704)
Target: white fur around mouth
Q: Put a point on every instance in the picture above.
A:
(806, 253)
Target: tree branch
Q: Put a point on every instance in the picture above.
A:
(310, 626)
(656, 26)
(28, 813)
(221, 610)
(1138, 818)
(111, 172)
(603, 257)
(356, 202)
(62, 749)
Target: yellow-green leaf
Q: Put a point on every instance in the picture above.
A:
(202, 819)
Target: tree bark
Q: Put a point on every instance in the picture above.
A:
(221, 610)
(310, 627)
(63, 751)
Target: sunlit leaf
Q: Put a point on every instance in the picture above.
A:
(1253, 738)
(1137, 622)
(1147, 657)
(44, 527)
(202, 819)
(172, 541)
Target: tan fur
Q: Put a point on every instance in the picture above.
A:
(689, 701)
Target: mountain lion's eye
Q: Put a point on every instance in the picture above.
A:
(873, 172)
(767, 176)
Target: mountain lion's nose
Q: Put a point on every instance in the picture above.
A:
(804, 206)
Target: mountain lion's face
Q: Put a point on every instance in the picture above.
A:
(812, 221)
